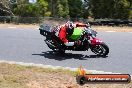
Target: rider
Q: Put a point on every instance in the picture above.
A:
(67, 29)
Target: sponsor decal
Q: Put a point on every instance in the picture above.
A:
(83, 77)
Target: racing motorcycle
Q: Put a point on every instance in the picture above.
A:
(87, 36)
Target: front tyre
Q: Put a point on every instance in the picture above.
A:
(100, 49)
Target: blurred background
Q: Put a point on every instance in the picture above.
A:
(96, 12)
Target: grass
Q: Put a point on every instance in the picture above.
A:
(17, 76)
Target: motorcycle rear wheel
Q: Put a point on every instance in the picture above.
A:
(59, 48)
(100, 49)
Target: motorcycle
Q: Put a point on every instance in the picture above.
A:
(88, 40)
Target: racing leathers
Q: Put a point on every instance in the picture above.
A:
(63, 33)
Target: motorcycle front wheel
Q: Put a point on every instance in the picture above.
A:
(100, 49)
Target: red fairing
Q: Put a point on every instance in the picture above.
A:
(80, 25)
(96, 41)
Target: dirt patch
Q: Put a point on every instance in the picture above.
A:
(16, 76)
(110, 28)
(97, 28)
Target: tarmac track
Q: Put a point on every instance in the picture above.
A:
(27, 45)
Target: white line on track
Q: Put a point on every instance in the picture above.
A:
(55, 67)
(110, 31)
(12, 27)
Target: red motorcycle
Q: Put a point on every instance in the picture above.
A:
(88, 40)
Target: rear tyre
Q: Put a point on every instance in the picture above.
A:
(100, 49)
(61, 51)
(58, 48)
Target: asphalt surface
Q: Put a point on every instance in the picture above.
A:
(27, 45)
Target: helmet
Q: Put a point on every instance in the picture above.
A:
(87, 25)
(69, 27)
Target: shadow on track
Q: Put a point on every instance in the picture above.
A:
(60, 57)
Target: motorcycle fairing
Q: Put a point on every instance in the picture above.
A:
(95, 41)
